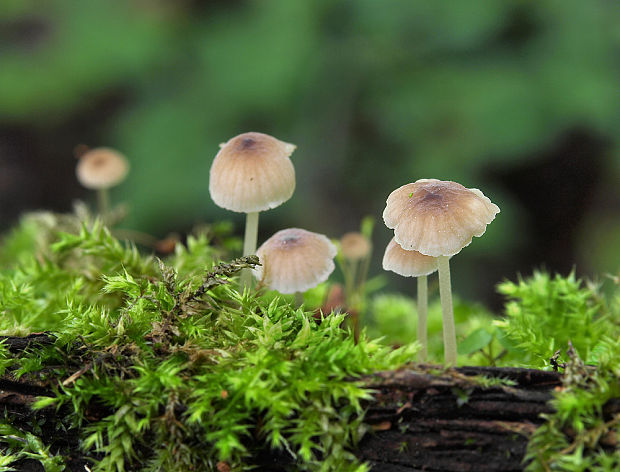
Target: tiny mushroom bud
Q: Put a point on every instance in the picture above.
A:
(295, 260)
(439, 218)
(413, 264)
(355, 251)
(99, 169)
(251, 173)
(354, 246)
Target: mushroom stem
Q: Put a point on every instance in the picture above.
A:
(249, 245)
(445, 292)
(422, 314)
(363, 275)
(103, 201)
(299, 299)
(348, 273)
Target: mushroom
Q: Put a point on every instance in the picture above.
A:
(99, 169)
(439, 218)
(295, 260)
(355, 249)
(354, 259)
(354, 246)
(251, 173)
(413, 264)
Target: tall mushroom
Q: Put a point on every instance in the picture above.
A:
(439, 218)
(100, 169)
(251, 173)
(413, 264)
(295, 260)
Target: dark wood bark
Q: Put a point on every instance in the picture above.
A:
(425, 419)
(444, 422)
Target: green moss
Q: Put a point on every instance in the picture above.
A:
(26, 445)
(544, 313)
(189, 371)
(580, 435)
(165, 365)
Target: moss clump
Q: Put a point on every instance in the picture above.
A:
(583, 432)
(164, 365)
(544, 313)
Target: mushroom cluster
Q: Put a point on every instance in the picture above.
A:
(251, 173)
(432, 221)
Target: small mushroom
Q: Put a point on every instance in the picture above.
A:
(439, 218)
(354, 259)
(251, 173)
(413, 264)
(354, 246)
(295, 260)
(100, 169)
(355, 251)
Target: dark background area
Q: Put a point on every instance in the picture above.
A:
(519, 99)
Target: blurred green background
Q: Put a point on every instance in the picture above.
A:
(520, 99)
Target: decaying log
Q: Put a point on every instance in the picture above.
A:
(445, 422)
(427, 419)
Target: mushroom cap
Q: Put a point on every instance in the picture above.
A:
(101, 168)
(437, 217)
(407, 263)
(354, 246)
(295, 260)
(252, 172)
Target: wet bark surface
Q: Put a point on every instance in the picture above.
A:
(428, 419)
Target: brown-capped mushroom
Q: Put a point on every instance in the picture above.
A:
(294, 260)
(99, 169)
(413, 264)
(407, 263)
(354, 246)
(354, 260)
(251, 173)
(439, 218)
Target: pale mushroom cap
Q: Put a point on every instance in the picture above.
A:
(252, 172)
(101, 168)
(407, 263)
(295, 260)
(436, 217)
(354, 246)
